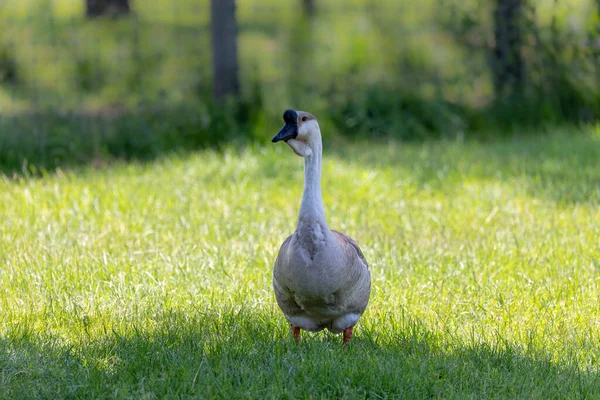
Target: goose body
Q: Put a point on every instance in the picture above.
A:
(321, 278)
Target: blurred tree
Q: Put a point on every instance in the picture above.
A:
(97, 8)
(224, 48)
(596, 41)
(9, 72)
(598, 20)
(300, 55)
(309, 7)
(507, 61)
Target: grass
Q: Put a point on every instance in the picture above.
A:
(153, 280)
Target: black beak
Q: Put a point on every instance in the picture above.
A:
(289, 131)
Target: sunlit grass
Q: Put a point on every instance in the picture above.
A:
(154, 280)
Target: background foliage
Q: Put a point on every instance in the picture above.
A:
(74, 89)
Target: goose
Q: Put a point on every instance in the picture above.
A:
(321, 278)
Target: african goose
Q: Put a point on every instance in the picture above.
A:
(321, 278)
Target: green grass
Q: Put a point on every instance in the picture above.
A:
(154, 280)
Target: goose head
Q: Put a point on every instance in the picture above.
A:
(300, 131)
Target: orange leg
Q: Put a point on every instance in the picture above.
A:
(347, 335)
(296, 332)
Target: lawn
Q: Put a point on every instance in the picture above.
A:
(154, 280)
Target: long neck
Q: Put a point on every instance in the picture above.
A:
(311, 208)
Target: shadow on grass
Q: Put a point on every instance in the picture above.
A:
(560, 167)
(231, 354)
(34, 142)
(557, 167)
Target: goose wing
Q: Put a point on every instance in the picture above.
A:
(342, 237)
(285, 298)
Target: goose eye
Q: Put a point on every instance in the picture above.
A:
(303, 119)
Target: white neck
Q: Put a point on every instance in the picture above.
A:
(311, 209)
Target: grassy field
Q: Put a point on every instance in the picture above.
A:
(154, 280)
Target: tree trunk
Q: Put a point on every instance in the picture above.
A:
(596, 42)
(299, 53)
(97, 8)
(309, 7)
(224, 48)
(507, 65)
(598, 24)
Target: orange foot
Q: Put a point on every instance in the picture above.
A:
(347, 335)
(296, 332)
